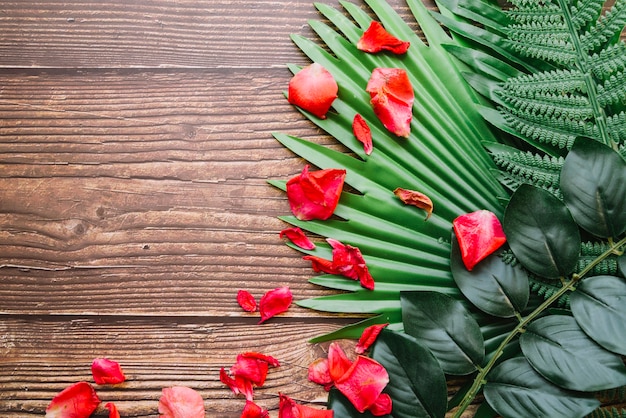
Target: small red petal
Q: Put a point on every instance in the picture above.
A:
(113, 412)
(297, 236)
(180, 402)
(315, 195)
(376, 39)
(382, 406)
(246, 301)
(288, 408)
(237, 385)
(363, 383)
(252, 410)
(263, 357)
(349, 262)
(319, 373)
(368, 337)
(362, 133)
(250, 369)
(275, 302)
(392, 98)
(479, 234)
(321, 264)
(107, 371)
(313, 89)
(412, 197)
(338, 362)
(76, 401)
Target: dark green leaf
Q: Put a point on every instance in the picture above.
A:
(593, 181)
(599, 307)
(493, 286)
(446, 328)
(417, 384)
(559, 350)
(515, 389)
(541, 232)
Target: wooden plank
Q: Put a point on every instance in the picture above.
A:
(148, 33)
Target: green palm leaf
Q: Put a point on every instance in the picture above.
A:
(443, 158)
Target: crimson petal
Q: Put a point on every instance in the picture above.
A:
(113, 412)
(392, 98)
(362, 133)
(297, 236)
(314, 89)
(315, 195)
(368, 337)
(275, 302)
(479, 234)
(77, 401)
(363, 383)
(107, 371)
(246, 301)
(376, 39)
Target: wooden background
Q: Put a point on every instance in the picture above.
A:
(135, 146)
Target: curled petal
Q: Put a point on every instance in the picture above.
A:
(252, 410)
(313, 89)
(246, 301)
(107, 371)
(412, 197)
(376, 39)
(315, 195)
(262, 357)
(113, 412)
(180, 402)
(348, 261)
(392, 97)
(362, 133)
(237, 385)
(275, 302)
(288, 408)
(338, 362)
(368, 337)
(250, 369)
(479, 234)
(297, 236)
(382, 406)
(77, 401)
(363, 383)
(319, 373)
(321, 264)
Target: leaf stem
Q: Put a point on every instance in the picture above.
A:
(480, 378)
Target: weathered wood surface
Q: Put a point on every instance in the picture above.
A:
(135, 149)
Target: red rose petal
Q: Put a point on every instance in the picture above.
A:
(246, 301)
(237, 385)
(288, 408)
(180, 402)
(412, 197)
(263, 357)
(297, 236)
(338, 362)
(76, 401)
(479, 234)
(382, 406)
(319, 373)
(250, 369)
(362, 133)
(275, 302)
(113, 412)
(348, 261)
(392, 98)
(252, 410)
(313, 89)
(368, 337)
(376, 39)
(315, 195)
(107, 371)
(363, 383)
(321, 264)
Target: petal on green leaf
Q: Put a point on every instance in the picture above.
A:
(515, 389)
(593, 181)
(599, 307)
(446, 328)
(559, 349)
(493, 286)
(418, 386)
(541, 232)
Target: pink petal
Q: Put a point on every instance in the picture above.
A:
(180, 402)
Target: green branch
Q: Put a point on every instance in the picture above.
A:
(480, 378)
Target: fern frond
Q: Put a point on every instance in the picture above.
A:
(558, 82)
(589, 251)
(608, 61)
(617, 127)
(607, 28)
(584, 12)
(557, 133)
(613, 91)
